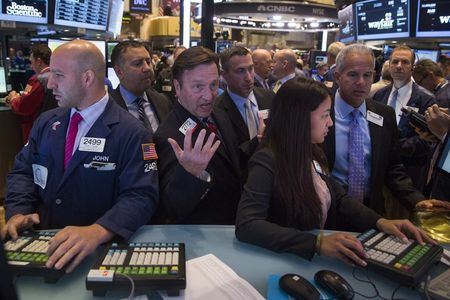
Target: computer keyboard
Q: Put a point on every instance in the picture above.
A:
(403, 262)
(156, 266)
(439, 287)
(27, 255)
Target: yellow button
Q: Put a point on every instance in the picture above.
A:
(102, 268)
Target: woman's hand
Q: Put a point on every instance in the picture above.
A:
(344, 246)
(403, 229)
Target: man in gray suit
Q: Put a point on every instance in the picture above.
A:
(132, 63)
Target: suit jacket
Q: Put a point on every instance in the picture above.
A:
(386, 167)
(443, 96)
(186, 198)
(415, 152)
(420, 98)
(256, 219)
(263, 97)
(121, 198)
(160, 104)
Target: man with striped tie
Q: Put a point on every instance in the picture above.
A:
(89, 166)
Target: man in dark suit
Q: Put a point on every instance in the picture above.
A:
(283, 67)
(262, 62)
(197, 149)
(86, 167)
(378, 134)
(403, 92)
(429, 75)
(132, 64)
(244, 104)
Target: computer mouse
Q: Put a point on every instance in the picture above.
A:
(335, 284)
(298, 287)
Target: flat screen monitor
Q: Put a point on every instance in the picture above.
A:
(89, 14)
(346, 25)
(430, 54)
(443, 162)
(110, 46)
(113, 78)
(54, 43)
(3, 88)
(30, 11)
(433, 18)
(115, 17)
(377, 20)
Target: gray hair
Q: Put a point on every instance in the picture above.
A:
(358, 49)
(334, 48)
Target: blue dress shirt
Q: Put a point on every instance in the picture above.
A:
(343, 118)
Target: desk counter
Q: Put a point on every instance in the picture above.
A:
(252, 263)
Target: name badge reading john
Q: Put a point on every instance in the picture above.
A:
(90, 144)
(188, 124)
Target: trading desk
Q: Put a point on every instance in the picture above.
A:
(252, 263)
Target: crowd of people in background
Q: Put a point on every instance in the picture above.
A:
(252, 138)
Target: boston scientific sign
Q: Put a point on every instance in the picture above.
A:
(258, 9)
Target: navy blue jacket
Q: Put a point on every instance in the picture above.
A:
(120, 199)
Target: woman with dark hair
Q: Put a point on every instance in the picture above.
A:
(289, 192)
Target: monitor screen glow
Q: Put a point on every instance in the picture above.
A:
(346, 25)
(115, 17)
(376, 20)
(444, 160)
(433, 18)
(3, 88)
(113, 78)
(53, 44)
(430, 54)
(89, 14)
(30, 11)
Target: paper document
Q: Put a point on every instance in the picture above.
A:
(209, 278)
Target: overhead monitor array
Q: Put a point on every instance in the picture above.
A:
(99, 15)
(393, 19)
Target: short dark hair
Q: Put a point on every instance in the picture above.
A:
(191, 58)
(41, 51)
(228, 53)
(405, 48)
(120, 48)
(424, 66)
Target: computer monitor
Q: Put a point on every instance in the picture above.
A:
(115, 17)
(443, 163)
(110, 46)
(88, 14)
(29, 11)
(3, 88)
(54, 43)
(430, 54)
(113, 78)
(433, 18)
(346, 25)
(377, 20)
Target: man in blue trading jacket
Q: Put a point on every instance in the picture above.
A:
(94, 179)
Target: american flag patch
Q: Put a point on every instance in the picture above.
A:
(148, 151)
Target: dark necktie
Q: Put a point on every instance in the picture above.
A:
(70, 138)
(356, 159)
(211, 126)
(141, 112)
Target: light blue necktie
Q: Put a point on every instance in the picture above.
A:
(356, 159)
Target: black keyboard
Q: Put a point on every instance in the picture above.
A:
(27, 255)
(405, 263)
(156, 266)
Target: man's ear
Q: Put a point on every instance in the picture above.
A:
(119, 72)
(177, 87)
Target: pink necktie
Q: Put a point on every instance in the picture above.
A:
(70, 139)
